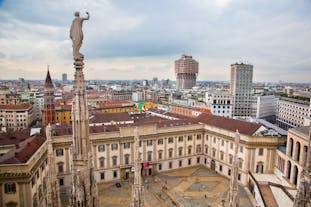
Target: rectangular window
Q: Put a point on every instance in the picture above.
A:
(149, 142)
(114, 147)
(101, 148)
(199, 136)
(160, 141)
(127, 145)
(61, 181)
(160, 166)
(115, 174)
(190, 138)
(59, 152)
(10, 188)
(102, 176)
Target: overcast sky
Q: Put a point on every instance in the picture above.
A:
(140, 39)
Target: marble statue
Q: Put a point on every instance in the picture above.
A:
(76, 35)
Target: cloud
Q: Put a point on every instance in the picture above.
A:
(138, 38)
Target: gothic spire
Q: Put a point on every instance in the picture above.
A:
(48, 80)
(233, 196)
(137, 191)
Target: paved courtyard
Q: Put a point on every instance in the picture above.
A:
(195, 186)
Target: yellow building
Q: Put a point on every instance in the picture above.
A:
(63, 114)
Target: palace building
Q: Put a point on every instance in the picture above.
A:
(165, 145)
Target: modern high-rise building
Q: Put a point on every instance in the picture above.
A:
(241, 89)
(64, 77)
(186, 70)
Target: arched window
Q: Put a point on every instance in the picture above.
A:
(230, 159)
(126, 159)
(297, 151)
(214, 152)
(289, 169)
(180, 151)
(11, 204)
(170, 153)
(114, 160)
(290, 147)
(149, 156)
(198, 149)
(160, 153)
(222, 155)
(296, 173)
(101, 162)
(240, 163)
(60, 167)
(206, 149)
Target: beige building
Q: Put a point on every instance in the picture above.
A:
(290, 162)
(16, 117)
(292, 112)
(164, 145)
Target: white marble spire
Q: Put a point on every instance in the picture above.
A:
(233, 195)
(137, 189)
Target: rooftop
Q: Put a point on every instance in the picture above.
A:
(230, 124)
(23, 106)
(24, 150)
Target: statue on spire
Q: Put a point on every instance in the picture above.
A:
(76, 35)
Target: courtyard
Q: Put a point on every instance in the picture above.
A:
(195, 186)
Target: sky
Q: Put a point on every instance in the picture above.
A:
(137, 39)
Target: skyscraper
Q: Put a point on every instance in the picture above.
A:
(241, 88)
(64, 77)
(186, 70)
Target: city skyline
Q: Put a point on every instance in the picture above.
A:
(139, 40)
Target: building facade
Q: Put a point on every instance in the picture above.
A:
(220, 103)
(186, 70)
(16, 117)
(264, 107)
(241, 89)
(292, 112)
